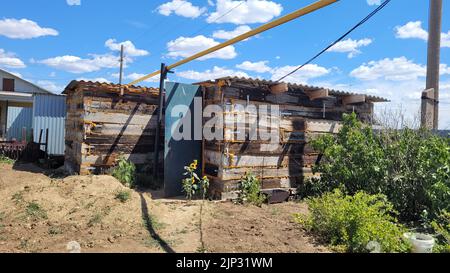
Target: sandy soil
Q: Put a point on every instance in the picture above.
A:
(43, 214)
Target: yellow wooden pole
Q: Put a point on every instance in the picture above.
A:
(287, 18)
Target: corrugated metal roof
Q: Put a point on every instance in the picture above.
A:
(262, 82)
(109, 87)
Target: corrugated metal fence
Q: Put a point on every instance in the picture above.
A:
(19, 118)
(50, 113)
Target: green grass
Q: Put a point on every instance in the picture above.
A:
(98, 217)
(2, 216)
(54, 231)
(153, 222)
(35, 211)
(123, 196)
(6, 160)
(17, 197)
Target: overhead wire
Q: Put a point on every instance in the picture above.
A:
(362, 22)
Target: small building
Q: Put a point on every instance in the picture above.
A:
(282, 162)
(26, 109)
(103, 125)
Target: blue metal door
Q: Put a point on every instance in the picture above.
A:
(183, 107)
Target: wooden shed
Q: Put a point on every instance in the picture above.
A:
(304, 112)
(102, 125)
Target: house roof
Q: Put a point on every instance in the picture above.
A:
(294, 86)
(30, 83)
(109, 87)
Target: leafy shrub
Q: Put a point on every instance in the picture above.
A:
(125, 172)
(123, 196)
(442, 227)
(412, 168)
(250, 190)
(192, 185)
(350, 223)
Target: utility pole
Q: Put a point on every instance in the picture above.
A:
(430, 98)
(121, 69)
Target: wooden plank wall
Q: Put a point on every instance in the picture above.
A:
(102, 126)
(283, 164)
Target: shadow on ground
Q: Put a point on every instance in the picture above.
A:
(147, 218)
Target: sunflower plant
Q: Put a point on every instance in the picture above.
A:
(193, 185)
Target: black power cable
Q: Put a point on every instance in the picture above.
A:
(379, 8)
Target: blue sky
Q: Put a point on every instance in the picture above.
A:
(54, 42)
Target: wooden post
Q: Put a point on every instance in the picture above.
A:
(121, 70)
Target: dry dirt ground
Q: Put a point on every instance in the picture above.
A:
(43, 214)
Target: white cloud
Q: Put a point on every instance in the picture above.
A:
(24, 29)
(134, 76)
(75, 64)
(215, 73)
(181, 8)
(50, 86)
(405, 97)
(248, 12)
(129, 48)
(374, 2)
(226, 35)
(188, 46)
(411, 30)
(350, 46)
(10, 60)
(401, 81)
(445, 39)
(95, 62)
(259, 67)
(302, 76)
(414, 30)
(73, 2)
(397, 69)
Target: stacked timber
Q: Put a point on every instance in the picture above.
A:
(105, 122)
(304, 113)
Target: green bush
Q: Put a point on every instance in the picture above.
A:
(250, 190)
(350, 223)
(412, 168)
(442, 227)
(125, 172)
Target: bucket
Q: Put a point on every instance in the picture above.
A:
(421, 243)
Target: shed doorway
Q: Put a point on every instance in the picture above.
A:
(183, 115)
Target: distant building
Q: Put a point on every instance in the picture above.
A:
(26, 108)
